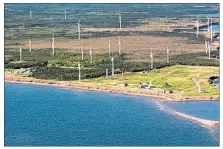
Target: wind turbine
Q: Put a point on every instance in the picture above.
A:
(119, 46)
(151, 56)
(113, 70)
(20, 51)
(30, 45)
(30, 14)
(208, 24)
(79, 30)
(53, 43)
(167, 53)
(209, 51)
(82, 51)
(211, 30)
(106, 71)
(79, 71)
(120, 21)
(197, 27)
(65, 14)
(206, 46)
(109, 47)
(90, 55)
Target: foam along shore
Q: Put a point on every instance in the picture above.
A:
(115, 89)
(203, 122)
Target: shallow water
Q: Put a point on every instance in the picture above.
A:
(49, 116)
(203, 109)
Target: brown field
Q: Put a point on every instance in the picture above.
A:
(140, 29)
(136, 47)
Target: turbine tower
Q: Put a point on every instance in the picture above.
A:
(53, 43)
(30, 45)
(90, 55)
(106, 71)
(79, 30)
(113, 70)
(30, 14)
(209, 51)
(208, 24)
(109, 48)
(197, 27)
(120, 21)
(151, 56)
(65, 14)
(167, 53)
(119, 46)
(206, 46)
(79, 71)
(211, 30)
(20, 51)
(82, 51)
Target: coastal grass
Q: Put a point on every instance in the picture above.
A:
(178, 78)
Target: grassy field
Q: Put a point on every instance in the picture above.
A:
(178, 78)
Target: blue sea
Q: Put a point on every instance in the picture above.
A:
(215, 28)
(49, 116)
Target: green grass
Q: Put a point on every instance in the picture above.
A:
(178, 77)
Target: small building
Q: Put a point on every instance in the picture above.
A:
(143, 85)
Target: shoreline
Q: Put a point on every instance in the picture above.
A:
(117, 89)
(202, 122)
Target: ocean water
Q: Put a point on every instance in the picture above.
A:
(215, 28)
(216, 83)
(49, 116)
(206, 109)
(205, 15)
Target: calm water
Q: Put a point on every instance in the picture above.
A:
(214, 27)
(216, 83)
(206, 109)
(49, 116)
(205, 15)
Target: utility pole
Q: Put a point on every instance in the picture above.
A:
(79, 30)
(211, 30)
(151, 56)
(113, 70)
(106, 73)
(167, 53)
(197, 27)
(30, 45)
(90, 55)
(82, 51)
(20, 51)
(119, 46)
(109, 48)
(120, 21)
(79, 69)
(65, 14)
(30, 14)
(53, 43)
